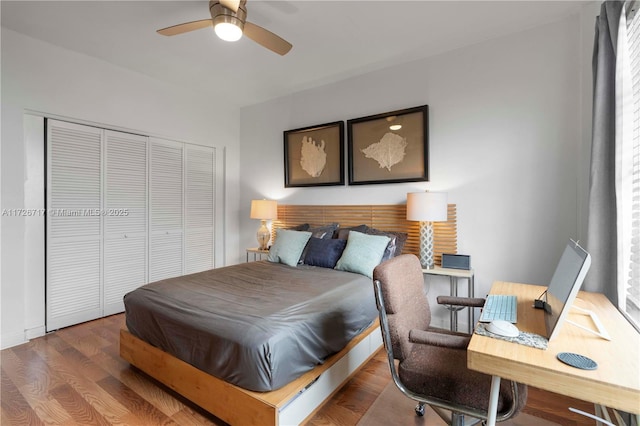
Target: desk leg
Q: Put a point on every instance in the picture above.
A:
(472, 312)
(453, 291)
(493, 401)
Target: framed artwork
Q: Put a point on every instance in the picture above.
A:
(314, 156)
(389, 148)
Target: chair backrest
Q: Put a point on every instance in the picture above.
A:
(405, 302)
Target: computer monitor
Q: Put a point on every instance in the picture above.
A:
(565, 284)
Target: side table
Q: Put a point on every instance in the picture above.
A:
(257, 253)
(453, 275)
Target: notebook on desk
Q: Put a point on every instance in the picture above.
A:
(500, 307)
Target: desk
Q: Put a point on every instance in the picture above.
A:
(453, 275)
(616, 381)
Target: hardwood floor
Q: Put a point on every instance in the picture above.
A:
(76, 376)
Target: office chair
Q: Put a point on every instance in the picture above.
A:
(432, 365)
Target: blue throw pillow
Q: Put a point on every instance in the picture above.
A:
(324, 253)
(362, 253)
(288, 246)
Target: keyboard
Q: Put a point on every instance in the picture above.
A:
(500, 307)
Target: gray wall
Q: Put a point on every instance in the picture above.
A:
(506, 143)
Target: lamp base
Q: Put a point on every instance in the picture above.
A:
(426, 245)
(263, 235)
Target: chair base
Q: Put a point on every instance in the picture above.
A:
(452, 418)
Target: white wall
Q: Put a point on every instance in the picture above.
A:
(509, 140)
(505, 143)
(41, 78)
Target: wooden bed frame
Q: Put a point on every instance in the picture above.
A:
(297, 401)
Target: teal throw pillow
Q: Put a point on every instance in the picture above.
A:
(288, 246)
(362, 253)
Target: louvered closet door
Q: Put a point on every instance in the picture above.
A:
(125, 217)
(166, 209)
(199, 201)
(74, 243)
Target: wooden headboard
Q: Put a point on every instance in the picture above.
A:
(383, 217)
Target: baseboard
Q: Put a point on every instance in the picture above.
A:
(12, 339)
(32, 333)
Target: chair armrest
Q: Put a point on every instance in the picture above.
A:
(439, 339)
(477, 302)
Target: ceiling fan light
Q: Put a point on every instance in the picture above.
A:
(228, 31)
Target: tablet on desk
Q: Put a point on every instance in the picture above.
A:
(563, 289)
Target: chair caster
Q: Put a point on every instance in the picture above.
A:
(420, 409)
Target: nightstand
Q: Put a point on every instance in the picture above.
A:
(257, 253)
(453, 275)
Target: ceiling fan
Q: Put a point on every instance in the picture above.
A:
(229, 20)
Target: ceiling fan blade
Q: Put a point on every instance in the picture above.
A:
(185, 28)
(231, 4)
(267, 39)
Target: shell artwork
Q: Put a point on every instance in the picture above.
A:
(388, 152)
(313, 158)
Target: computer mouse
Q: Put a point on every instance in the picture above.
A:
(503, 328)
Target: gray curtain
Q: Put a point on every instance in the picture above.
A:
(602, 233)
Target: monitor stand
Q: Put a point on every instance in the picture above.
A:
(602, 332)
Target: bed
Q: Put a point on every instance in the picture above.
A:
(276, 359)
(267, 323)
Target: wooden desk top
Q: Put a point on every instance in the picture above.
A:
(616, 381)
(450, 272)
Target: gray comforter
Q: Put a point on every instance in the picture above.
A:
(258, 325)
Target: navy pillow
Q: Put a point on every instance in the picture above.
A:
(325, 232)
(324, 253)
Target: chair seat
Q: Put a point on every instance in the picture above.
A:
(442, 379)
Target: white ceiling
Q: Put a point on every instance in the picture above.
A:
(332, 40)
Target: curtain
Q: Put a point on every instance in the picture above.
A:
(602, 239)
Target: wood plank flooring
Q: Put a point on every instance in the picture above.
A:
(75, 376)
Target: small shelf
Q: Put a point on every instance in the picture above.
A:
(257, 253)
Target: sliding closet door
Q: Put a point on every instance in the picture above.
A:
(74, 224)
(123, 210)
(125, 217)
(166, 209)
(199, 201)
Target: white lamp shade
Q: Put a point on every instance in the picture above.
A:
(264, 209)
(427, 206)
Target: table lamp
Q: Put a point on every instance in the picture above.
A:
(264, 210)
(427, 207)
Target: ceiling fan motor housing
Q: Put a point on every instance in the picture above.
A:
(220, 14)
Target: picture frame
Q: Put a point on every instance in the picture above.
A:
(380, 153)
(314, 155)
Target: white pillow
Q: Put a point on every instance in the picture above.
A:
(288, 246)
(362, 253)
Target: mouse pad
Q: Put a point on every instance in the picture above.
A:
(524, 338)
